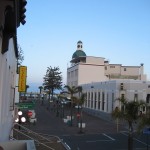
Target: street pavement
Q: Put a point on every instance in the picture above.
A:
(47, 120)
(98, 134)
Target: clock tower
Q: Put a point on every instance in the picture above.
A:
(79, 45)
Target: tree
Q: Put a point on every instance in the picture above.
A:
(60, 98)
(78, 107)
(52, 80)
(129, 112)
(81, 101)
(144, 120)
(27, 86)
(40, 87)
(80, 90)
(71, 91)
(20, 55)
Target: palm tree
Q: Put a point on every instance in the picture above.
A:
(40, 87)
(79, 91)
(71, 91)
(27, 86)
(60, 97)
(130, 113)
(144, 120)
(81, 101)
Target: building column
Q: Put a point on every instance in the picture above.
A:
(97, 99)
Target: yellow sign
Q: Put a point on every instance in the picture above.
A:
(22, 78)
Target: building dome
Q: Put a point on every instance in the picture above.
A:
(79, 42)
(78, 53)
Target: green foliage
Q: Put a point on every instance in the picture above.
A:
(27, 86)
(52, 79)
(70, 90)
(117, 113)
(40, 87)
(129, 110)
(80, 100)
(20, 55)
(144, 120)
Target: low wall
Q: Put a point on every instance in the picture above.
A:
(100, 114)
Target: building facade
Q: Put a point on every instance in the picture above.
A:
(104, 83)
(103, 96)
(10, 19)
(86, 69)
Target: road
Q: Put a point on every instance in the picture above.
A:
(98, 134)
(103, 142)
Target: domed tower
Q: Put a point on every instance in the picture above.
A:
(79, 55)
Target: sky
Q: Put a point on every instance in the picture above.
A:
(118, 30)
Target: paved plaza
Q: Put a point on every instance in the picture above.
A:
(49, 121)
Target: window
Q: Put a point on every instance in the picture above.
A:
(105, 67)
(99, 96)
(135, 97)
(112, 66)
(148, 98)
(76, 72)
(91, 95)
(71, 73)
(95, 100)
(125, 69)
(92, 100)
(68, 74)
(95, 95)
(99, 100)
(122, 96)
(103, 101)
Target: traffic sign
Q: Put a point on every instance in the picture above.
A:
(146, 131)
(78, 114)
(29, 113)
(26, 105)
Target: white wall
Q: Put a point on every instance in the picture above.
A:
(110, 88)
(8, 66)
(90, 73)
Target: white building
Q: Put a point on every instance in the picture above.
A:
(101, 81)
(9, 21)
(102, 96)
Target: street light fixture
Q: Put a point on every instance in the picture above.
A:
(20, 118)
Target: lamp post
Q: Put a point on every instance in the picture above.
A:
(20, 119)
(62, 108)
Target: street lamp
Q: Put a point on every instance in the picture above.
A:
(20, 118)
(62, 108)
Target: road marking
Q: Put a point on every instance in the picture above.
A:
(109, 137)
(97, 141)
(136, 140)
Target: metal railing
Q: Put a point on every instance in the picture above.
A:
(21, 132)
